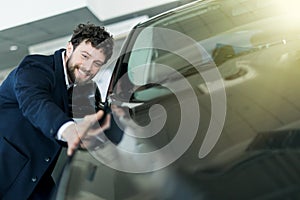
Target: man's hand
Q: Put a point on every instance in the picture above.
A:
(95, 136)
(76, 133)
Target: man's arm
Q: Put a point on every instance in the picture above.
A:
(34, 84)
(75, 133)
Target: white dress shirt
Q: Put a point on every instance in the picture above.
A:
(67, 124)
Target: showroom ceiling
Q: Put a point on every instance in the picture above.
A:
(14, 42)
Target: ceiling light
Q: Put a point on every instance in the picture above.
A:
(13, 48)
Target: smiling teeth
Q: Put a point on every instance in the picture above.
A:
(82, 72)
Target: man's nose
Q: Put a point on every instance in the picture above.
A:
(87, 65)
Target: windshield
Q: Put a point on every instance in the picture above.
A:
(208, 96)
(254, 45)
(213, 34)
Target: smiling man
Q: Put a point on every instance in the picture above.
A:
(35, 117)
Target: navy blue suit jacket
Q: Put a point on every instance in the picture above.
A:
(33, 106)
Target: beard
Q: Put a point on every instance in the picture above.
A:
(73, 69)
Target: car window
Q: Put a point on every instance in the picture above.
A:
(224, 32)
(208, 94)
(140, 58)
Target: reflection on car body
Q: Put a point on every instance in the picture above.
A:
(239, 61)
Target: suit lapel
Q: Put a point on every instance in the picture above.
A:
(60, 87)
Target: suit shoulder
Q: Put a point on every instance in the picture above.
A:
(37, 60)
(37, 65)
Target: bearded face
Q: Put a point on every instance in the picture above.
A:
(84, 62)
(78, 74)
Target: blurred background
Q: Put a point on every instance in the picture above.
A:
(33, 26)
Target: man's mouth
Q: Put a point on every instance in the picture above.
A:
(83, 73)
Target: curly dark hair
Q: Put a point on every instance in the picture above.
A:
(96, 35)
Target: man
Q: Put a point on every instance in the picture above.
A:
(34, 113)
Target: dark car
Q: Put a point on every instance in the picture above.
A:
(207, 96)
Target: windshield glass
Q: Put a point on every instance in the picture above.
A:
(254, 45)
(224, 32)
(208, 98)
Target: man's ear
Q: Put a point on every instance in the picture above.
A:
(69, 49)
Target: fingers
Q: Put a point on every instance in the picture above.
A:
(106, 124)
(87, 122)
(94, 117)
(99, 115)
(72, 146)
(96, 131)
(71, 150)
(83, 130)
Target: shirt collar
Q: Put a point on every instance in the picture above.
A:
(65, 70)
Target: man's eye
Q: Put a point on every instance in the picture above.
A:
(84, 55)
(98, 64)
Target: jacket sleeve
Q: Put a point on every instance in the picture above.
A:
(34, 89)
